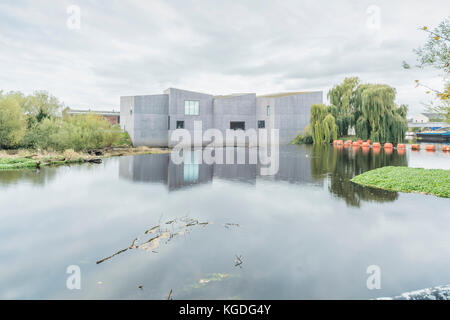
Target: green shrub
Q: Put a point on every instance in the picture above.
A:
(305, 138)
(78, 132)
(12, 122)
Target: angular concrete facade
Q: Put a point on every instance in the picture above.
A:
(151, 119)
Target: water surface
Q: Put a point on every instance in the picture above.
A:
(305, 233)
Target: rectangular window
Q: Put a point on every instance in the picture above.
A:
(192, 107)
(268, 110)
(261, 124)
(191, 172)
(237, 125)
(180, 124)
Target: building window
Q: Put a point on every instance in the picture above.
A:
(191, 107)
(168, 123)
(268, 110)
(131, 110)
(261, 124)
(191, 172)
(237, 125)
(180, 124)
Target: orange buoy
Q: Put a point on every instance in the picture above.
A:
(337, 143)
(348, 142)
(359, 142)
(401, 146)
(401, 152)
(365, 150)
(430, 147)
(365, 144)
(415, 147)
(444, 149)
(356, 144)
(376, 145)
(368, 141)
(388, 145)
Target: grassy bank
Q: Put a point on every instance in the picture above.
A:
(404, 179)
(29, 159)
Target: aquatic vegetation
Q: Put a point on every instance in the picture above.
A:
(17, 163)
(405, 179)
(27, 158)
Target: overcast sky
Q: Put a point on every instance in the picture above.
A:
(143, 47)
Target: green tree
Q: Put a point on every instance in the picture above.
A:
(342, 97)
(435, 53)
(41, 105)
(323, 126)
(12, 121)
(78, 132)
(377, 116)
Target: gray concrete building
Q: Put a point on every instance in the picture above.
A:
(150, 119)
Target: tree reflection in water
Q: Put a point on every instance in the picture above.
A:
(31, 176)
(338, 165)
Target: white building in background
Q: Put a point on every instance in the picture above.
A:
(426, 117)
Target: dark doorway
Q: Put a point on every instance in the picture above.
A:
(261, 124)
(180, 124)
(237, 125)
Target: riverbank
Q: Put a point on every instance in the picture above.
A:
(405, 179)
(29, 159)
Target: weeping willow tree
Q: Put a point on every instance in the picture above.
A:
(323, 126)
(376, 115)
(342, 97)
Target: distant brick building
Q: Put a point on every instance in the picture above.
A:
(112, 116)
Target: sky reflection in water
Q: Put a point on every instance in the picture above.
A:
(307, 232)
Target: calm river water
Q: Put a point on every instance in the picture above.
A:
(224, 231)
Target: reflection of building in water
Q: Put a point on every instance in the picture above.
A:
(138, 168)
(186, 174)
(294, 167)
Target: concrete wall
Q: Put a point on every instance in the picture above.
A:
(234, 108)
(176, 110)
(148, 123)
(127, 117)
(261, 113)
(151, 120)
(292, 114)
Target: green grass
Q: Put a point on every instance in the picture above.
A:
(404, 179)
(16, 163)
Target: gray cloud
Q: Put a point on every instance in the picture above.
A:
(142, 47)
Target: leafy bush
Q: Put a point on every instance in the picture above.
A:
(12, 122)
(305, 138)
(78, 132)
